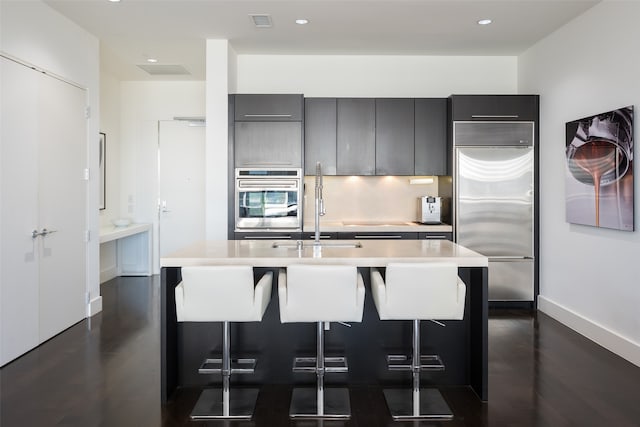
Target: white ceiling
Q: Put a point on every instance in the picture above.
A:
(174, 31)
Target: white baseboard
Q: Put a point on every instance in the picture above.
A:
(95, 306)
(608, 339)
(108, 274)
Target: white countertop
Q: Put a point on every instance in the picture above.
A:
(112, 232)
(373, 253)
(377, 226)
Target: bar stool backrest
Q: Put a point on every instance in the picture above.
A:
(216, 294)
(317, 293)
(424, 291)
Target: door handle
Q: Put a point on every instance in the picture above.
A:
(43, 233)
(163, 207)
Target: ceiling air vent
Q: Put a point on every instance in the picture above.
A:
(261, 20)
(164, 70)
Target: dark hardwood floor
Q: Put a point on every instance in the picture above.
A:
(105, 372)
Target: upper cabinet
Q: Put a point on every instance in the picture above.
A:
(263, 144)
(431, 145)
(383, 136)
(267, 131)
(356, 136)
(320, 115)
(268, 108)
(494, 107)
(394, 145)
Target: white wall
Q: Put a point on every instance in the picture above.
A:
(220, 59)
(142, 105)
(34, 33)
(110, 125)
(381, 76)
(589, 276)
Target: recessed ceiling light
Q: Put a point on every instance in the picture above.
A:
(302, 21)
(152, 60)
(485, 21)
(114, 1)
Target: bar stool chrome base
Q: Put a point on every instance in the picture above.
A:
(427, 403)
(304, 404)
(219, 403)
(416, 402)
(211, 404)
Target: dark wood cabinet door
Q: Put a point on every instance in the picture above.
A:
(267, 235)
(434, 235)
(268, 144)
(320, 135)
(356, 136)
(431, 144)
(369, 235)
(494, 107)
(268, 108)
(394, 136)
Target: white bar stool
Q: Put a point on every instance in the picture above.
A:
(412, 291)
(223, 294)
(320, 293)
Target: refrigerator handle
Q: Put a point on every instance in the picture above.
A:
(509, 258)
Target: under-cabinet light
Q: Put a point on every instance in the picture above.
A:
(417, 181)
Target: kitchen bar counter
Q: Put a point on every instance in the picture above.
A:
(462, 344)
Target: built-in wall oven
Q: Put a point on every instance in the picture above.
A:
(268, 198)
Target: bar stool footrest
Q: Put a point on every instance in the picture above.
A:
(401, 362)
(238, 366)
(331, 364)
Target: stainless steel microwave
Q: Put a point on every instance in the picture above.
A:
(268, 198)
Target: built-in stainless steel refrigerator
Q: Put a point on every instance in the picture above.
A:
(494, 202)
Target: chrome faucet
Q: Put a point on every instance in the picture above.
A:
(319, 203)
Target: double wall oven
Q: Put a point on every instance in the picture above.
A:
(268, 199)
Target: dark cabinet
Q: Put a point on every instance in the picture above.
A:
(494, 107)
(355, 136)
(268, 144)
(323, 236)
(433, 235)
(278, 107)
(377, 236)
(431, 145)
(320, 116)
(394, 137)
(266, 235)
(384, 136)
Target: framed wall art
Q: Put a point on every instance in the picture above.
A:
(599, 175)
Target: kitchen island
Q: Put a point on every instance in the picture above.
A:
(462, 345)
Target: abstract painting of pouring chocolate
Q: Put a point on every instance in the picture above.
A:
(599, 177)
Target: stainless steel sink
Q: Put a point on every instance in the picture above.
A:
(302, 245)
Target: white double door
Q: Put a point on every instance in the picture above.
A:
(42, 208)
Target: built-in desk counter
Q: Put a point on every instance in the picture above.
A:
(462, 344)
(133, 251)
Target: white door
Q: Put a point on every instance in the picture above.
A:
(182, 184)
(19, 296)
(62, 205)
(42, 279)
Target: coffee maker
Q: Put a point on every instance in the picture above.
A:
(430, 210)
